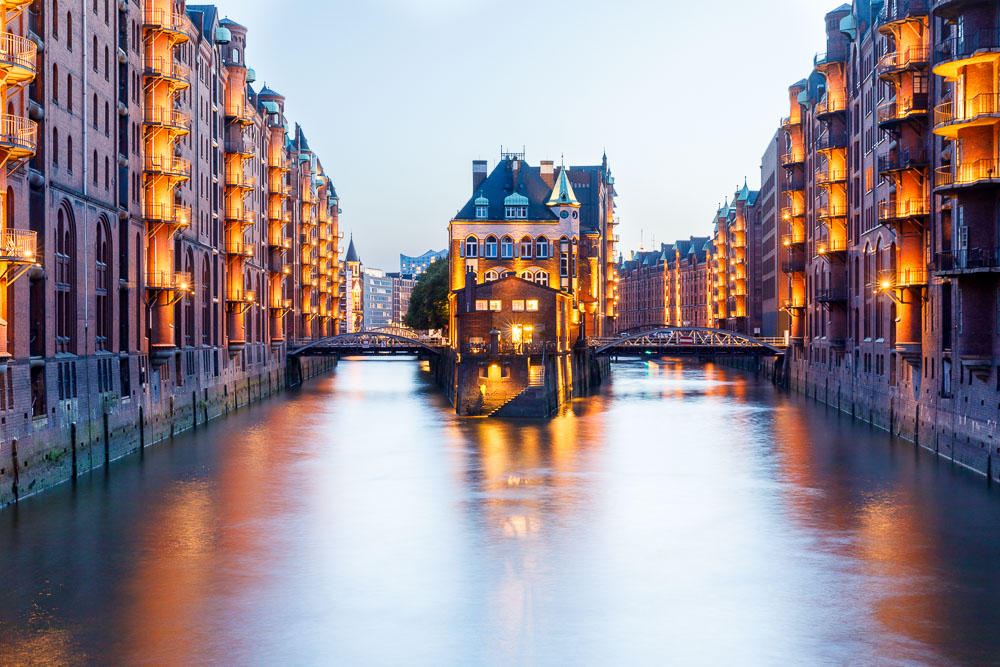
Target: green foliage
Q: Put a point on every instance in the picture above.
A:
(429, 301)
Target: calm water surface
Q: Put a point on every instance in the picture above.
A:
(688, 514)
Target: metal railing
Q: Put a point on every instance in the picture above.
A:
(984, 104)
(166, 68)
(241, 112)
(788, 122)
(240, 295)
(789, 212)
(793, 184)
(169, 165)
(832, 141)
(18, 51)
(169, 280)
(835, 101)
(171, 214)
(239, 147)
(830, 176)
(968, 173)
(239, 247)
(831, 294)
(899, 159)
(789, 240)
(835, 55)
(968, 259)
(831, 246)
(794, 302)
(900, 209)
(18, 245)
(244, 217)
(793, 157)
(956, 47)
(901, 278)
(165, 20)
(828, 212)
(167, 117)
(900, 10)
(239, 179)
(898, 61)
(18, 133)
(900, 110)
(794, 265)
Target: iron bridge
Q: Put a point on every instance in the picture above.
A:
(388, 341)
(674, 341)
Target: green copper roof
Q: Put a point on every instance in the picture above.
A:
(516, 199)
(482, 201)
(562, 192)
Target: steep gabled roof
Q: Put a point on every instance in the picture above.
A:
(352, 253)
(500, 185)
(562, 192)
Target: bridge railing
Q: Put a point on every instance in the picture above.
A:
(508, 347)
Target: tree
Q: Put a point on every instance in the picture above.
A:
(429, 301)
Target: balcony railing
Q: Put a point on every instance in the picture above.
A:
(159, 19)
(168, 165)
(835, 101)
(797, 302)
(793, 157)
(967, 174)
(900, 110)
(19, 56)
(241, 217)
(902, 10)
(832, 295)
(18, 135)
(829, 176)
(789, 122)
(18, 246)
(898, 160)
(831, 247)
(788, 240)
(169, 280)
(965, 46)
(829, 212)
(901, 278)
(915, 57)
(240, 295)
(239, 247)
(789, 212)
(835, 55)
(281, 162)
(832, 141)
(240, 112)
(170, 214)
(968, 259)
(239, 179)
(964, 111)
(793, 184)
(903, 209)
(167, 68)
(167, 117)
(239, 147)
(793, 265)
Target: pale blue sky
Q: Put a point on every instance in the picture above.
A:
(399, 96)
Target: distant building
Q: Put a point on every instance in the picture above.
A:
(402, 289)
(354, 313)
(414, 266)
(377, 298)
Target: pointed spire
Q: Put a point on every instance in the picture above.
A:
(562, 192)
(352, 253)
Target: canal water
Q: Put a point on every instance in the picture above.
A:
(687, 515)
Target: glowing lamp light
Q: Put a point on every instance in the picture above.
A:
(885, 284)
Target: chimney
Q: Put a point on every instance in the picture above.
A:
(478, 174)
(548, 172)
(470, 290)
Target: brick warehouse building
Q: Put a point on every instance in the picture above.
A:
(887, 196)
(169, 232)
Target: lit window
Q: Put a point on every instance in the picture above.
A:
(526, 247)
(532, 305)
(542, 278)
(472, 247)
(482, 305)
(491, 247)
(507, 247)
(542, 248)
(482, 212)
(526, 275)
(491, 275)
(517, 306)
(495, 306)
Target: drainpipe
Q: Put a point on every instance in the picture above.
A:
(86, 223)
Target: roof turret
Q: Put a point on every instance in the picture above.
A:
(352, 253)
(562, 192)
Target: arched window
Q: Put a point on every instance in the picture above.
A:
(206, 301)
(69, 30)
(236, 55)
(55, 146)
(526, 247)
(507, 248)
(189, 301)
(55, 83)
(542, 278)
(65, 286)
(107, 174)
(491, 275)
(472, 247)
(94, 165)
(69, 153)
(107, 119)
(94, 53)
(102, 252)
(541, 248)
(491, 247)
(107, 64)
(93, 111)
(526, 275)
(55, 18)
(69, 92)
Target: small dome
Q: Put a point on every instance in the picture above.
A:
(482, 201)
(516, 199)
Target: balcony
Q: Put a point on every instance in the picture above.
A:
(981, 110)
(281, 163)
(897, 62)
(305, 240)
(169, 281)
(827, 177)
(18, 58)
(284, 304)
(794, 303)
(168, 22)
(968, 260)
(167, 69)
(240, 295)
(831, 141)
(243, 218)
(901, 11)
(830, 248)
(789, 212)
(901, 210)
(834, 102)
(832, 295)
(167, 214)
(277, 239)
(168, 165)
(239, 248)
(901, 160)
(18, 136)
(831, 212)
(789, 123)
(795, 184)
(793, 157)
(240, 113)
(793, 265)
(834, 56)
(893, 113)
(893, 278)
(18, 246)
(165, 117)
(240, 147)
(967, 175)
(793, 239)
(239, 179)
(956, 52)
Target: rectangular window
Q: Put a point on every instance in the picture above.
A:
(532, 305)
(495, 306)
(482, 305)
(518, 306)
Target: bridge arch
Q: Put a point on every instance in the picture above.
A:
(364, 341)
(693, 338)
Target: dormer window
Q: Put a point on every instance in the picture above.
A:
(516, 207)
(482, 208)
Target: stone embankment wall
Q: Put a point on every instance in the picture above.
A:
(963, 431)
(41, 455)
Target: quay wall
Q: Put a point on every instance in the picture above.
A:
(91, 431)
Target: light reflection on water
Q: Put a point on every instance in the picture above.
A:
(689, 514)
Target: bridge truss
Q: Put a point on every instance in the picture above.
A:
(686, 341)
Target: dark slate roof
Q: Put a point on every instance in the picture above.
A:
(352, 253)
(333, 191)
(228, 22)
(500, 184)
(300, 139)
(203, 16)
(267, 92)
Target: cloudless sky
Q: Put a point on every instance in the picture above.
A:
(397, 97)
